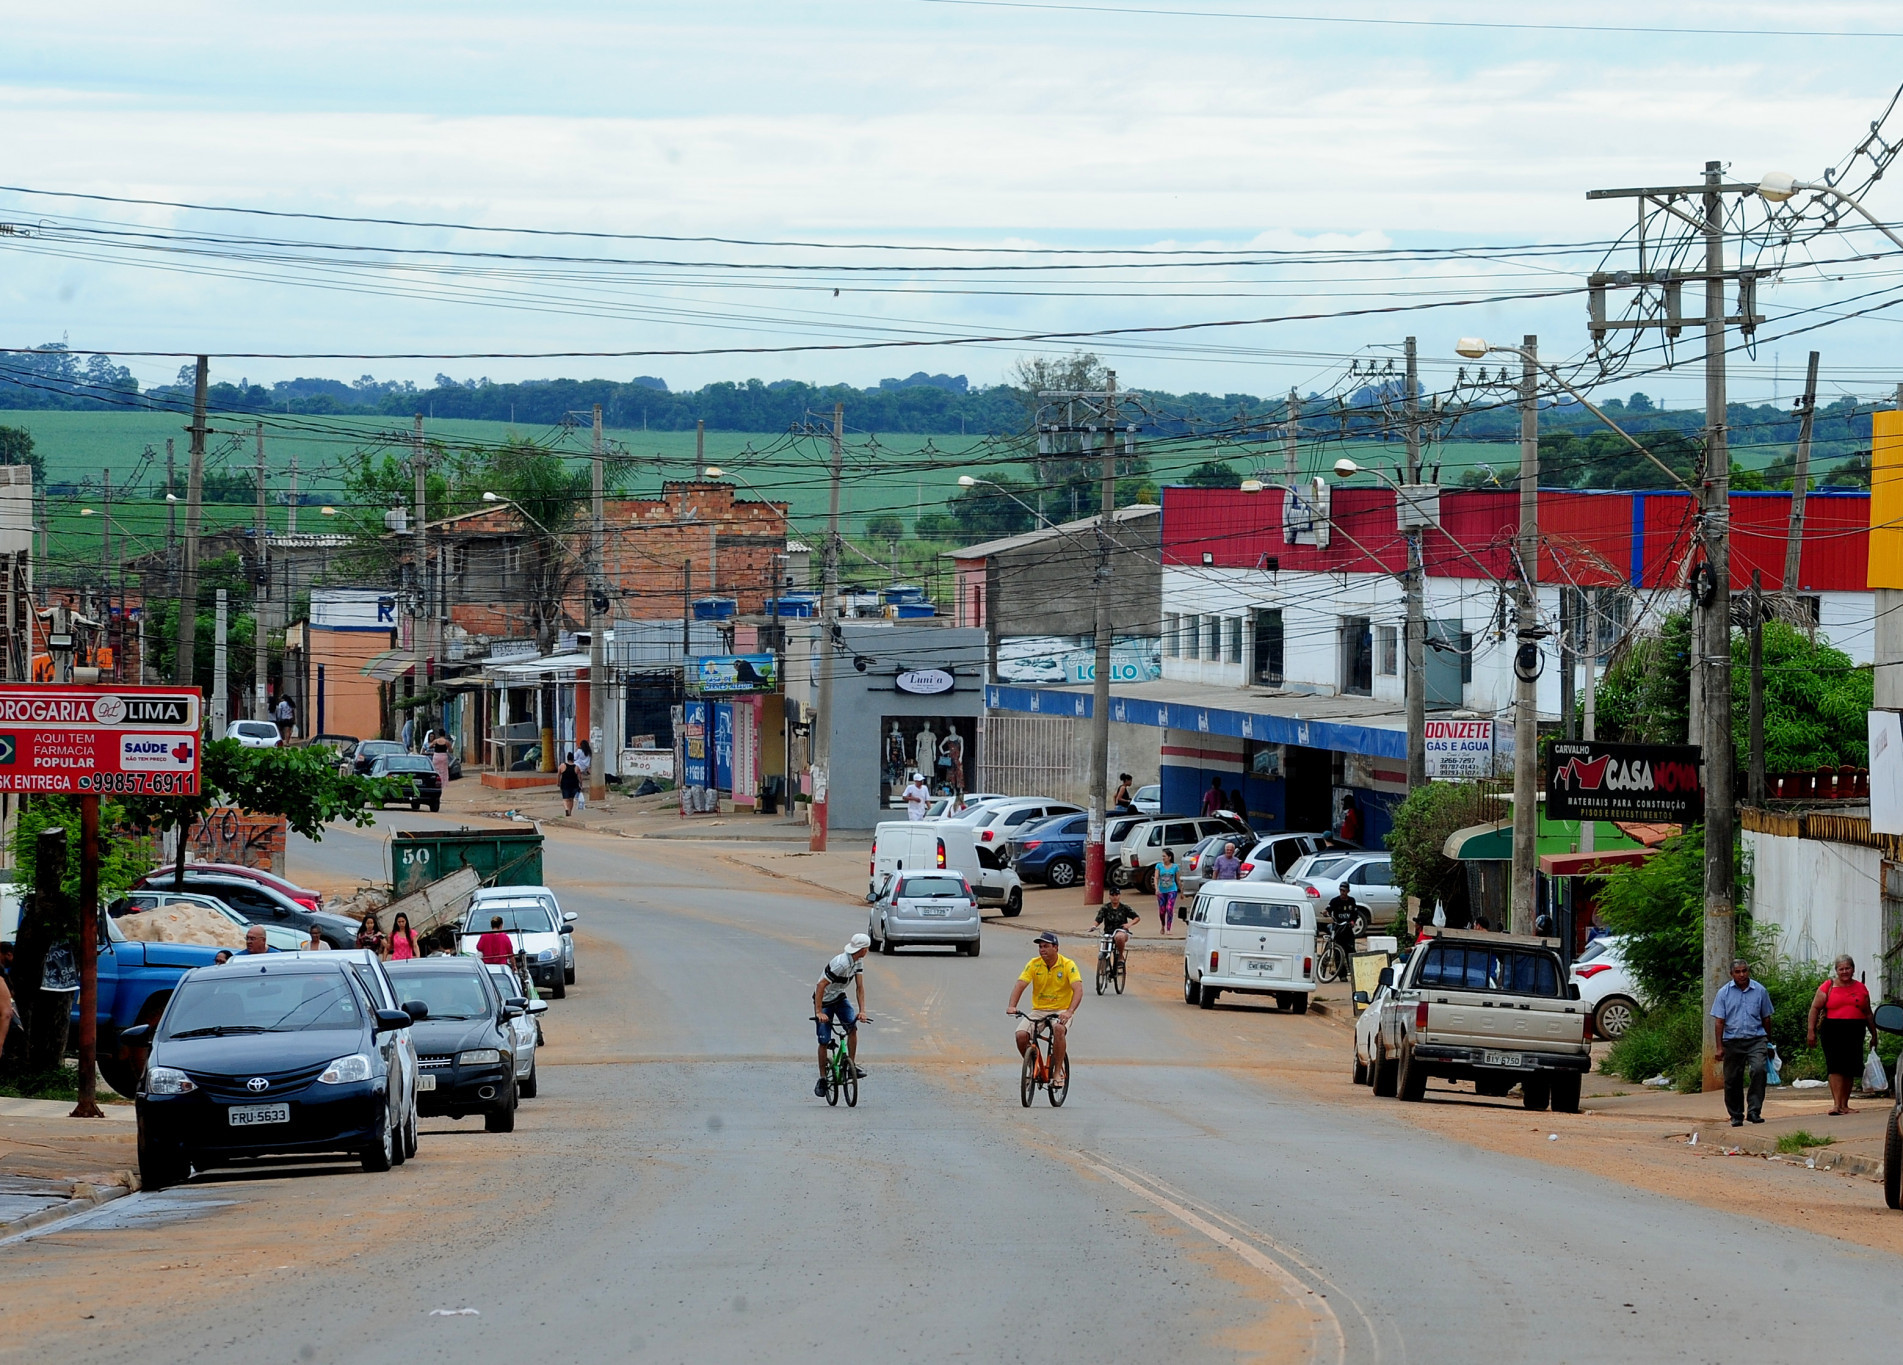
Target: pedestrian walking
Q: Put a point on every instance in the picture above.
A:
(403, 944)
(1738, 1040)
(584, 760)
(1226, 867)
(408, 732)
(1213, 798)
(439, 759)
(917, 796)
(569, 776)
(1166, 890)
(1122, 800)
(370, 935)
(286, 714)
(1840, 1014)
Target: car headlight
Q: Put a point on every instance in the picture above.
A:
(478, 1057)
(546, 955)
(165, 1080)
(355, 1067)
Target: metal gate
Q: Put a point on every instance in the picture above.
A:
(1031, 755)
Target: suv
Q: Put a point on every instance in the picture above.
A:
(1116, 828)
(1143, 846)
(547, 897)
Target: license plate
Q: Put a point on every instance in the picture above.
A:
(250, 1115)
(1502, 1059)
(1263, 966)
(931, 911)
(424, 1082)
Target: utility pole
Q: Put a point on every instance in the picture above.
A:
(1100, 687)
(1414, 588)
(260, 589)
(171, 509)
(290, 507)
(88, 1105)
(1756, 788)
(700, 448)
(1800, 479)
(183, 665)
(419, 470)
(220, 686)
(1292, 438)
(597, 628)
(105, 533)
(1588, 715)
(823, 722)
(1526, 720)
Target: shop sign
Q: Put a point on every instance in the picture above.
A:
(733, 673)
(925, 682)
(1650, 783)
(99, 740)
(1459, 748)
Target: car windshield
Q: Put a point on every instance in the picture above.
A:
(506, 984)
(932, 886)
(525, 918)
(1471, 967)
(975, 815)
(405, 763)
(1599, 947)
(265, 1003)
(449, 995)
(1322, 864)
(370, 748)
(255, 729)
(1263, 915)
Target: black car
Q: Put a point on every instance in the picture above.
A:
(260, 904)
(413, 778)
(465, 1052)
(368, 751)
(268, 1055)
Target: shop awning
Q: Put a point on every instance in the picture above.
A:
(1591, 864)
(390, 665)
(1493, 842)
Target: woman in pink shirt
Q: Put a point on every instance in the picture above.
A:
(402, 939)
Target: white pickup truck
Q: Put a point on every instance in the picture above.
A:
(1494, 1009)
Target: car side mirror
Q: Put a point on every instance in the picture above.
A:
(138, 1033)
(1361, 997)
(1890, 1018)
(1386, 978)
(567, 929)
(389, 1021)
(278, 910)
(416, 1009)
(515, 1002)
(569, 917)
(511, 1012)
(538, 1007)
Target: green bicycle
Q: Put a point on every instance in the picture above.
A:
(842, 1077)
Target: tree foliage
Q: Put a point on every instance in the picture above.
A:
(1659, 905)
(1421, 825)
(121, 861)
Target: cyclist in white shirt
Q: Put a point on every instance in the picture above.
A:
(830, 1003)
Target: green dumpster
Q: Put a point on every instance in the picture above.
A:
(501, 857)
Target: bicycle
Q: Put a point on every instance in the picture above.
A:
(1111, 969)
(1331, 959)
(842, 1077)
(1037, 1064)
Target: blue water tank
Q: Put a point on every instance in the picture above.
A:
(912, 611)
(794, 604)
(715, 608)
(901, 592)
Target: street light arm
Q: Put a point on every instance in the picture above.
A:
(1843, 198)
(1591, 407)
(1036, 516)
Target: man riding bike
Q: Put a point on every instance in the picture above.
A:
(1341, 916)
(830, 1003)
(1113, 916)
(1057, 989)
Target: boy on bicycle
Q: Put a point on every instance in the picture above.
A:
(830, 1003)
(1057, 989)
(1112, 918)
(1341, 917)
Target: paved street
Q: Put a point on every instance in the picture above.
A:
(677, 1192)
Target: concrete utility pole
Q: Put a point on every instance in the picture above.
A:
(182, 666)
(171, 509)
(700, 448)
(290, 507)
(1100, 688)
(1800, 479)
(220, 683)
(1292, 438)
(1526, 718)
(260, 590)
(1756, 735)
(823, 722)
(597, 628)
(419, 470)
(1414, 588)
(105, 531)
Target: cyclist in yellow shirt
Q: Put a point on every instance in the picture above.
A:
(1057, 989)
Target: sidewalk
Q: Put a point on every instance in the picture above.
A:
(1857, 1146)
(53, 1166)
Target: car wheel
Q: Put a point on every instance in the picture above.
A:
(1014, 903)
(435, 806)
(1410, 1083)
(1361, 1070)
(559, 990)
(568, 976)
(416, 805)
(381, 1154)
(1301, 1002)
(1192, 992)
(1362, 922)
(1210, 994)
(409, 1133)
(501, 1120)
(1563, 1090)
(1893, 1160)
(1146, 878)
(1612, 1016)
(971, 949)
(1384, 1074)
(158, 1169)
(1535, 1093)
(1119, 877)
(1062, 872)
(529, 1084)
(887, 946)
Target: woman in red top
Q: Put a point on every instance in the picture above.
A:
(403, 939)
(1844, 1006)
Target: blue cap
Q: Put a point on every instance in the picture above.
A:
(1046, 937)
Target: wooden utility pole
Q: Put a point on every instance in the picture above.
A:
(88, 1106)
(260, 590)
(823, 721)
(597, 629)
(1800, 480)
(1414, 591)
(183, 667)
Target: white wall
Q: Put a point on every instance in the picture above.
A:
(1825, 898)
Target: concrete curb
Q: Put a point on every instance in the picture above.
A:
(93, 1197)
(1849, 1163)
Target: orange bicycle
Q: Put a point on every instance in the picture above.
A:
(1037, 1069)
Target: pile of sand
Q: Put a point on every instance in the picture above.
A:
(183, 924)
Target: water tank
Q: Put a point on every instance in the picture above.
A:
(715, 608)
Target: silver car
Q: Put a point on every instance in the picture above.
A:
(525, 1028)
(1370, 881)
(924, 907)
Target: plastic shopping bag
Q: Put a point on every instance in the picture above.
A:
(1771, 1077)
(1875, 1079)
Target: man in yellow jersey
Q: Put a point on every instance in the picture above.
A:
(1057, 989)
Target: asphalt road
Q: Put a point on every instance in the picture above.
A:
(677, 1193)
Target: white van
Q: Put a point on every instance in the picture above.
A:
(951, 845)
(1253, 938)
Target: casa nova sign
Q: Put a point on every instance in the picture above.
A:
(925, 682)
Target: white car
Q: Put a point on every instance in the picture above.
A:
(1148, 799)
(1116, 828)
(957, 807)
(1367, 1029)
(547, 897)
(255, 734)
(1142, 848)
(929, 907)
(1370, 882)
(525, 1028)
(1607, 988)
(1002, 819)
(533, 932)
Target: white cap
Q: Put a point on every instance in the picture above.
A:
(858, 943)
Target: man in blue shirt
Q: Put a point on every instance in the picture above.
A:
(1738, 1013)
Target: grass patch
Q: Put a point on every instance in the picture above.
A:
(48, 1085)
(1792, 1143)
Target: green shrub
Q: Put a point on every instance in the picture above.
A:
(1800, 1139)
(1659, 1043)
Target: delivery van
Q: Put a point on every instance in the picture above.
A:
(947, 845)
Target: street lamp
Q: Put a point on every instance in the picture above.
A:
(968, 481)
(1778, 186)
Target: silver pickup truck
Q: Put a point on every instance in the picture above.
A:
(1494, 1009)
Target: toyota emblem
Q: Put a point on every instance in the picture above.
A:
(257, 1083)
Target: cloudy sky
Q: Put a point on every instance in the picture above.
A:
(873, 124)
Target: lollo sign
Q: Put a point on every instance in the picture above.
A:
(1651, 783)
